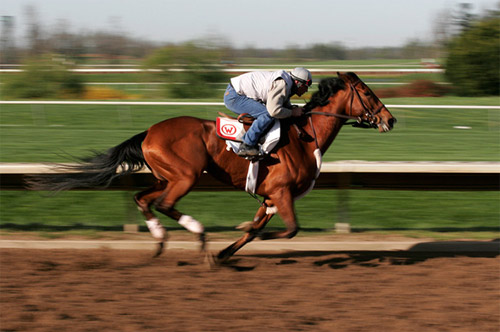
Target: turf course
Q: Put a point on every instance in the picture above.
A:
(221, 211)
(46, 133)
(36, 133)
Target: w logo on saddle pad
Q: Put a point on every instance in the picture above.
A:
(230, 129)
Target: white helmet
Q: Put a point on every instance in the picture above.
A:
(302, 75)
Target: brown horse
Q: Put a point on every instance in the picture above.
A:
(178, 150)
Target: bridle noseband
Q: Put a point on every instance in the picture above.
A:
(367, 120)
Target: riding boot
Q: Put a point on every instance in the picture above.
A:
(246, 150)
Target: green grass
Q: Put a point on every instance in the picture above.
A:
(43, 133)
(425, 134)
(445, 100)
(368, 210)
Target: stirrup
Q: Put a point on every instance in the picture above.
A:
(258, 157)
(244, 149)
(245, 118)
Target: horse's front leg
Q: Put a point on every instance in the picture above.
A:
(283, 200)
(260, 220)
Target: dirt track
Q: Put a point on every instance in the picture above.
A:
(111, 290)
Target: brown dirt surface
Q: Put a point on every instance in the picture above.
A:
(113, 290)
(233, 236)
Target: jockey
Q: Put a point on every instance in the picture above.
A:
(265, 95)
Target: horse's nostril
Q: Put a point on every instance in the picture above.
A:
(391, 122)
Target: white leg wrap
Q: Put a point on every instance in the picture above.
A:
(156, 228)
(191, 224)
(271, 210)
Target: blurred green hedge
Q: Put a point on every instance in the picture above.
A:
(189, 70)
(45, 77)
(473, 62)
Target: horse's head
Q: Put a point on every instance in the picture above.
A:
(365, 105)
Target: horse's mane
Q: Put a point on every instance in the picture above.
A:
(327, 87)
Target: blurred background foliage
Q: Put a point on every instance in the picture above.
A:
(473, 60)
(190, 70)
(46, 76)
(466, 45)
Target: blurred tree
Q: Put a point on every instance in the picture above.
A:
(415, 49)
(328, 51)
(62, 41)
(473, 61)
(189, 70)
(35, 38)
(442, 33)
(7, 45)
(44, 77)
(464, 17)
(442, 26)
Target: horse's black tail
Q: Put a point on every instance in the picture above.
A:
(94, 172)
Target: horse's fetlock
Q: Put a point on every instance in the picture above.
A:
(156, 229)
(191, 224)
(292, 233)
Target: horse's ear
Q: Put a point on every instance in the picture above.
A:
(348, 77)
(352, 76)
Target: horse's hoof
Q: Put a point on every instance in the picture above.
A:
(159, 249)
(266, 235)
(212, 261)
(245, 226)
(203, 242)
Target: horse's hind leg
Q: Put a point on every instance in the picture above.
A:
(163, 197)
(144, 200)
(174, 191)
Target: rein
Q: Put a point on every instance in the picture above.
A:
(341, 116)
(369, 120)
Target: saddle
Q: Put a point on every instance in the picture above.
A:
(233, 129)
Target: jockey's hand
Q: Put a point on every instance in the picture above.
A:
(297, 111)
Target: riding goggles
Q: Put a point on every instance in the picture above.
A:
(308, 82)
(301, 81)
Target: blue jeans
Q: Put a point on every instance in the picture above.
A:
(242, 104)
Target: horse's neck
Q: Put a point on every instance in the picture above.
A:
(327, 127)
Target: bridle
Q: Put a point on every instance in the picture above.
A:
(369, 119)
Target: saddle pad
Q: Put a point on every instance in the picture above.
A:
(271, 138)
(232, 131)
(229, 129)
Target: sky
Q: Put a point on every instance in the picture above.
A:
(255, 23)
